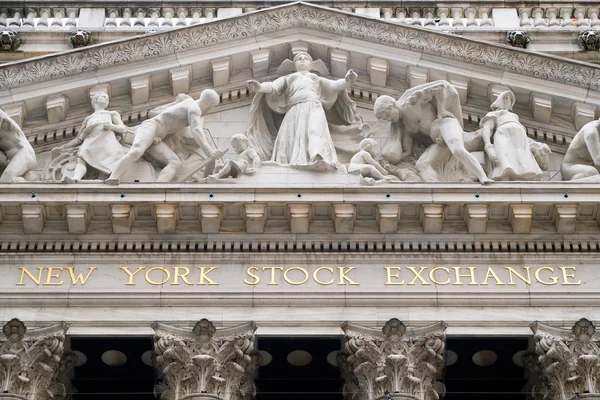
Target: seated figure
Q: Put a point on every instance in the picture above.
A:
(583, 155)
(364, 161)
(247, 162)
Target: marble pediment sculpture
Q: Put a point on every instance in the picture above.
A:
(513, 156)
(582, 160)
(17, 157)
(173, 119)
(303, 119)
(169, 142)
(431, 113)
(428, 112)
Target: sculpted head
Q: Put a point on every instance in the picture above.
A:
(386, 109)
(239, 142)
(370, 146)
(303, 61)
(100, 100)
(505, 101)
(208, 99)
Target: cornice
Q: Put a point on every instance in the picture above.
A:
(298, 16)
(434, 218)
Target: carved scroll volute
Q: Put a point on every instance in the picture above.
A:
(31, 361)
(398, 360)
(206, 363)
(569, 360)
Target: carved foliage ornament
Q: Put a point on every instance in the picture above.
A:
(298, 16)
(30, 362)
(568, 360)
(397, 360)
(206, 362)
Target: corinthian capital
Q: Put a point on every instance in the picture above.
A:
(399, 360)
(568, 359)
(205, 362)
(31, 361)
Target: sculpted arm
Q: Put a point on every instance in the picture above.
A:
(256, 161)
(341, 84)
(370, 160)
(78, 139)
(407, 146)
(277, 86)
(118, 125)
(197, 129)
(591, 135)
(487, 130)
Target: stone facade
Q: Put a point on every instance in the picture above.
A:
(299, 171)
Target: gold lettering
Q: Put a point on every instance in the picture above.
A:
(204, 275)
(553, 279)
(25, 271)
(418, 275)
(183, 276)
(166, 271)
(316, 276)
(565, 276)
(458, 275)
(79, 278)
(251, 275)
(491, 274)
(512, 272)
(432, 276)
(343, 276)
(131, 274)
(390, 276)
(288, 280)
(53, 276)
(272, 281)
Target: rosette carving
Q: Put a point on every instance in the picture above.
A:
(398, 360)
(205, 362)
(31, 361)
(568, 360)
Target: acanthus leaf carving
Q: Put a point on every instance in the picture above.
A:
(397, 362)
(569, 361)
(31, 362)
(206, 362)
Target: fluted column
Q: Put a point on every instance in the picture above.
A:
(31, 362)
(399, 360)
(206, 363)
(568, 360)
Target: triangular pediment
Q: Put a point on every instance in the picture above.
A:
(555, 96)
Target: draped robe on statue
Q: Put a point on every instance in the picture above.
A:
(303, 122)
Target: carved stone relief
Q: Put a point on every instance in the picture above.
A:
(9, 40)
(206, 363)
(397, 360)
(589, 40)
(31, 362)
(569, 361)
(582, 160)
(17, 157)
(518, 39)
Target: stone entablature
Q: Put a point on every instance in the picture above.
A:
(496, 212)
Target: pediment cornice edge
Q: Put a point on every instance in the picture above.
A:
(293, 16)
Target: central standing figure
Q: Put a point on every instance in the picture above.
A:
(303, 137)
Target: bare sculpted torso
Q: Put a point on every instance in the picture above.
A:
(173, 119)
(11, 141)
